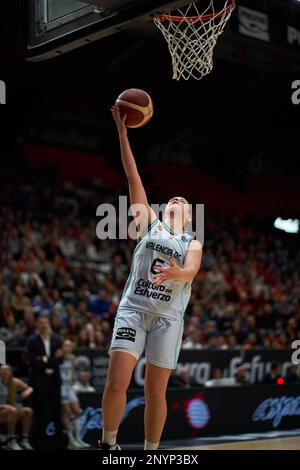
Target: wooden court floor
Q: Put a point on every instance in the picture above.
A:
(283, 443)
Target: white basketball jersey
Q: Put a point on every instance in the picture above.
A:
(152, 251)
(66, 371)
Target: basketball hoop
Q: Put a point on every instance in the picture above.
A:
(192, 36)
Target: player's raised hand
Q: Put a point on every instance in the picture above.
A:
(120, 121)
(167, 273)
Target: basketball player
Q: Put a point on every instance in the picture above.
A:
(70, 402)
(12, 412)
(150, 315)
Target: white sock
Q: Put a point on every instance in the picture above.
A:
(70, 435)
(151, 445)
(77, 428)
(109, 437)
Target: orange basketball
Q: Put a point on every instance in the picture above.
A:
(138, 106)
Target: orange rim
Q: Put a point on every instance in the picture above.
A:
(193, 19)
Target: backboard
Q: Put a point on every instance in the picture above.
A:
(58, 26)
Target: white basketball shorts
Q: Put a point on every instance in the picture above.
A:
(159, 337)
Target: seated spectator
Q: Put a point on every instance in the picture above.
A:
(100, 339)
(198, 312)
(83, 384)
(43, 303)
(99, 304)
(193, 341)
(96, 336)
(11, 332)
(106, 328)
(55, 324)
(83, 312)
(279, 340)
(19, 302)
(30, 279)
(119, 269)
(292, 375)
(274, 374)
(181, 378)
(231, 341)
(14, 243)
(83, 340)
(29, 325)
(217, 373)
(240, 376)
(67, 244)
(12, 412)
(70, 310)
(58, 308)
(251, 342)
(266, 341)
(216, 341)
(72, 330)
(215, 276)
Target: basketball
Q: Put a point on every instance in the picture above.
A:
(138, 106)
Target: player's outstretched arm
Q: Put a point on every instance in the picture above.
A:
(136, 189)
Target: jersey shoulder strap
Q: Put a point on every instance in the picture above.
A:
(148, 229)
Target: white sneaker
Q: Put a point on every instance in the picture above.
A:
(81, 443)
(26, 444)
(13, 445)
(73, 444)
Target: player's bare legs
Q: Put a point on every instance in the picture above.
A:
(24, 416)
(120, 369)
(156, 382)
(66, 409)
(8, 417)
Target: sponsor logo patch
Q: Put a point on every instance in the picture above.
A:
(126, 333)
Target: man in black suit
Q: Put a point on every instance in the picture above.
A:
(45, 356)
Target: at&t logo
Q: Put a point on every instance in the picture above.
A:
(197, 412)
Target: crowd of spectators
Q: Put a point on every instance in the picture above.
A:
(247, 294)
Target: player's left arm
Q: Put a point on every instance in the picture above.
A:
(24, 388)
(188, 271)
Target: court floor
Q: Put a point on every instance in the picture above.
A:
(273, 440)
(285, 443)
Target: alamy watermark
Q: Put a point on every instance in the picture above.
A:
(2, 353)
(296, 92)
(2, 92)
(296, 354)
(115, 223)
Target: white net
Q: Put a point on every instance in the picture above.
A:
(192, 35)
